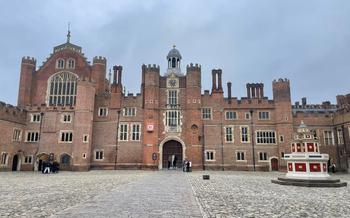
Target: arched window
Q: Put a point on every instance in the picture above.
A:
(65, 159)
(173, 63)
(71, 64)
(60, 64)
(62, 89)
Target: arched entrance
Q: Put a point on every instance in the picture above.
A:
(274, 164)
(15, 163)
(172, 150)
(40, 159)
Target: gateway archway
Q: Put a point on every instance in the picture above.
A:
(40, 159)
(169, 149)
(15, 163)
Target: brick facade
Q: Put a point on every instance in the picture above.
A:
(114, 130)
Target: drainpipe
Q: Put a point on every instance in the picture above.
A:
(252, 138)
(222, 143)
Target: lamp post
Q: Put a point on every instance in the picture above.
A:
(252, 136)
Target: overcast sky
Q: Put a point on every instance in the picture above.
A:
(251, 41)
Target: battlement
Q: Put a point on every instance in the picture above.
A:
(99, 60)
(343, 101)
(12, 113)
(150, 67)
(325, 107)
(281, 80)
(192, 67)
(28, 60)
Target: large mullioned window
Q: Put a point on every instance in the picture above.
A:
(62, 89)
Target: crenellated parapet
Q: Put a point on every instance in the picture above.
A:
(150, 68)
(193, 67)
(99, 60)
(29, 60)
(12, 114)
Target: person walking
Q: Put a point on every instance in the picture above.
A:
(169, 162)
(175, 161)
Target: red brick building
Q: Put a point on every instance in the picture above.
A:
(68, 108)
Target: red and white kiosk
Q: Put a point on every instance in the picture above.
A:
(306, 166)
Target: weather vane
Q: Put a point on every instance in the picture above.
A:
(68, 34)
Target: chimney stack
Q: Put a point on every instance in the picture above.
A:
(229, 85)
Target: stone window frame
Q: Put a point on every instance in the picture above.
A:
(35, 117)
(85, 138)
(123, 135)
(241, 133)
(70, 63)
(16, 137)
(129, 111)
(62, 89)
(340, 136)
(172, 100)
(101, 152)
(234, 115)
(60, 63)
(4, 161)
(66, 140)
(132, 125)
(209, 151)
(31, 137)
(247, 116)
(228, 135)
(327, 137)
(264, 115)
(264, 155)
(267, 137)
(207, 113)
(244, 156)
(28, 157)
(65, 116)
(102, 111)
(281, 138)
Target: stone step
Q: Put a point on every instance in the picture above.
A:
(309, 183)
(307, 180)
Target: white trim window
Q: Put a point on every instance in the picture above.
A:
(172, 118)
(102, 112)
(247, 116)
(99, 155)
(4, 158)
(210, 155)
(244, 134)
(123, 132)
(230, 115)
(328, 137)
(136, 132)
(129, 111)
(281, 138)
(229, 138)
(60, 63)
(17, 135)
(71, 63)
(172, 97)
(263, 156)
(264, 115)
(35, 118)
(28, 159)
(85, 138)
(32, 136)
(66, 118)
(62, 89)
(66, 136)
(206, 113)
(265, 137)
(340, 136)
(240, 156)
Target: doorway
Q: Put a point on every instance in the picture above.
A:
(41, 158)
(172, 150)
(274, 164)
(15, 163)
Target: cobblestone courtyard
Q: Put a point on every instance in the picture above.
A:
(165, 194)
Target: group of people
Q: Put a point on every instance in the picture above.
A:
(172, 163)
(50, 167)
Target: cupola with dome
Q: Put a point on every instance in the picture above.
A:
(174, 61)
